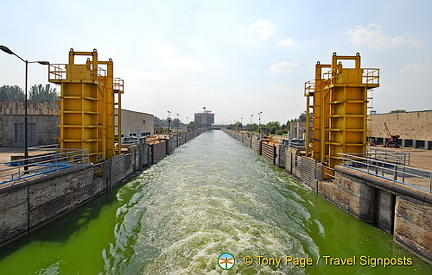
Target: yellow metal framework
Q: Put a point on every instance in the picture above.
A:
(118, 91)
(87, 104)
(336, 109)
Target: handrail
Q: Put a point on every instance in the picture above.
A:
(118, 85)
(309, 87)
(59, 71)
(396, 172)
(54, 159)
(56, 71)
(387, 155)
(370, 76)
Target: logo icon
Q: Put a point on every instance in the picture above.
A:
(226, 261)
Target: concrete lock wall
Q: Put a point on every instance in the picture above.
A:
(397, 209)
(29, 204)
(415, 236)
(26, 205)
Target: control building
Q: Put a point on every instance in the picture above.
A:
(205, 119)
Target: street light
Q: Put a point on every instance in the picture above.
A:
(178, 135)
(241, 124)
(178, 122)
(169, 121)
(8, 51)
(259, 118)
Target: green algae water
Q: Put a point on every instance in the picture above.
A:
(212, 196)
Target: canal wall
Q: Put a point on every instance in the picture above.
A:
(399, 210)
(28, 204)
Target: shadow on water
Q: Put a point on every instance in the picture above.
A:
(62, 229)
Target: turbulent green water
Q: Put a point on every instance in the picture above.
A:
(213, 195)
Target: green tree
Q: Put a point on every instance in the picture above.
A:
(11, 93)
(252, 127)
(273, 126)
(302, 117)
(398, 111)
(43, 93)
(193, 125)
(280, 132)
(176, 122)
(238, 125)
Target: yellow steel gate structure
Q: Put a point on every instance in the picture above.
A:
(89, 95)
(336, 109)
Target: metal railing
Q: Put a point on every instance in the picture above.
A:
(118, 85)
(396, 172)
(59, 72)
(309, 88)
(370, 76)
(388, 155)
(48, 160)
(296, 143)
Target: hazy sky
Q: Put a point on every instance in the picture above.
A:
(235, 57)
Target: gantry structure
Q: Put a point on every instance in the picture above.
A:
(90, 104)
(336, 109)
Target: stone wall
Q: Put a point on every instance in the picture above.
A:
(349, 194)
(26, 205)
(413, 226)
(121, 166)
(33, 108)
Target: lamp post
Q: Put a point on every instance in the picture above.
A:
(169, 122)
(8, 51)
(259, 119)
(178, 135)
(241, 124)
(178, 122)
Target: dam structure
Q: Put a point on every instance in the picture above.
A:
(103, 202)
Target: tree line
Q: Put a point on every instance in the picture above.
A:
(161, 125)
(274, 127)
(36, 93)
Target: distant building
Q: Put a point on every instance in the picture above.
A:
(43, 121)
(413, 128)
(137, 123)
(205, 119)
